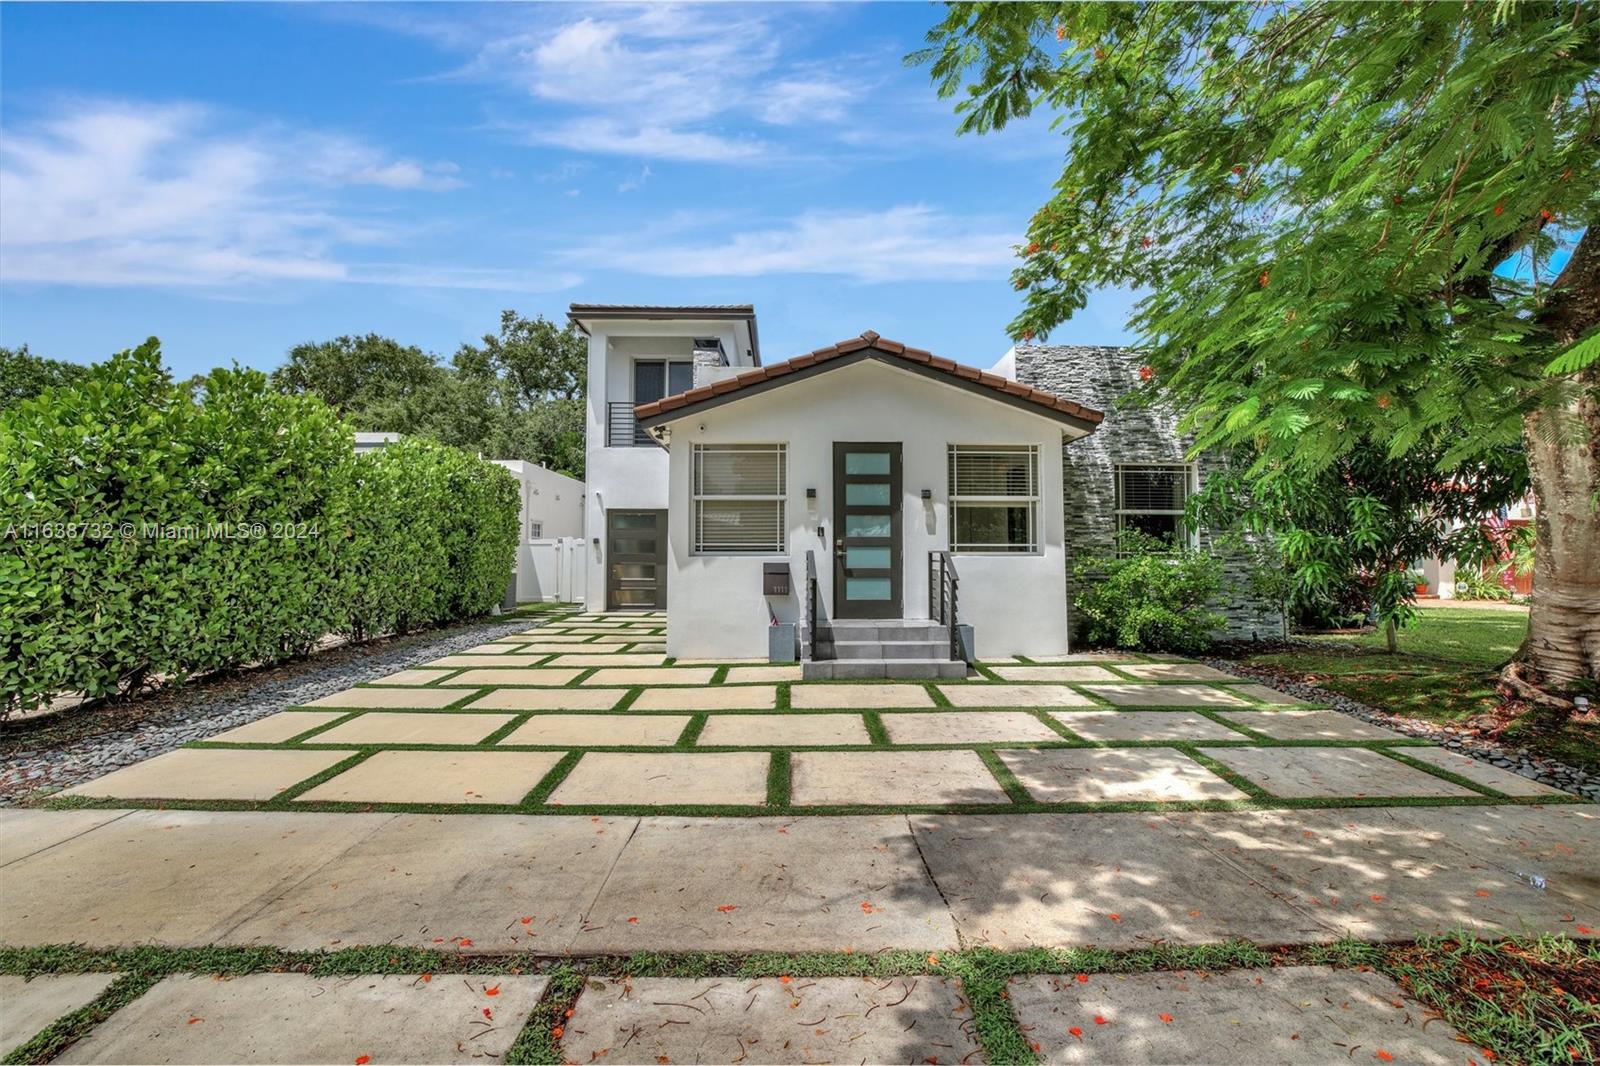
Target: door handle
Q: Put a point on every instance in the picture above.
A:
(838, 548)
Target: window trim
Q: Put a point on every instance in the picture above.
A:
(781, 498)
(1034, 501)
(667, 363)
(535, 529)
(1188, 538)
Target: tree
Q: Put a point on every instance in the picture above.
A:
(24, 375)
(535, 372)
(1356, 222)
(1364, 519)
(367, 379)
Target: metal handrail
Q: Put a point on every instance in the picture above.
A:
(622, 427)
(808, 645)
(944, 587)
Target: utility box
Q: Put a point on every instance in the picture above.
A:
(775, 579)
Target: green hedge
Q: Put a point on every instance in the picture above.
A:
(148, 528)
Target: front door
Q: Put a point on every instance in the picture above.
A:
(636, 560)
(866, 527)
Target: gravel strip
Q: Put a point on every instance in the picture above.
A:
(164, 720)
(1517, 760)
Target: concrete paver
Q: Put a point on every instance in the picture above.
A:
(709, 698)
(1102, 775)
(1483, 773)
(1054, 673)
(414, 698)
(398, 727)
(463, 882)
(277, 728)
(1310, 725)
(1157, 695)
(288, 1017)
(738, 675)
(966, 727)
(170, 877)
(637, 778)
(507, 659)
(532, 676)
(1355, 772)
(599, 729)
(785, 884)
(546, 699)
(437, 777)
(28, 832)
(414, 677)
(1114, 880)
(1291, 1014)
(1268, 695)
(647, 675)
(212, 774)
(749, 730)
(858, 697)
(901, 778)
(27, 1007)
(995, 695)
(616, 658)
(1145, 725)
(1174, 672)
(806, 1020)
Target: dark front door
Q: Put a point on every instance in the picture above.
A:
(866, 527)
(636, 560)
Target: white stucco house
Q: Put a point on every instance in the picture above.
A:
(550, 549)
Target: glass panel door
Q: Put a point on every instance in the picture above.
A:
(867, 530)
(636, 560)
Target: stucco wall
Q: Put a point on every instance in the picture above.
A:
(1102, 377)
(1017, 603)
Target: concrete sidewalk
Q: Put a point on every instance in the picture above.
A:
(556, 884)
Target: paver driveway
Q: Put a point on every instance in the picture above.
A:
(572, 789)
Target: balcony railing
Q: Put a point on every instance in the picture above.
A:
(623, 429)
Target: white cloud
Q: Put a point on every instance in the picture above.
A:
(689, 83)
(117, 193)
(637, 181)
(905, 243)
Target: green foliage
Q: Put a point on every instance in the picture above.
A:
(1349, 217)
(518, 395)
(1350, 532)
(161, 529)
(24, 375)
(1473, 584)
(1148, 597)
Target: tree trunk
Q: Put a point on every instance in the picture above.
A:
(1563, 643)
(1390, 637)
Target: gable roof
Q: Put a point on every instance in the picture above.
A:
(848, 352)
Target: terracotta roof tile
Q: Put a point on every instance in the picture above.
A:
(869, 341)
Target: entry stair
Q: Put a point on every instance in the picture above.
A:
(848, 650)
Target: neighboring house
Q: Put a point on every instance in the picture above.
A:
(854, 492)
(638, 354)
(1134, 472)
(366, 442)
(1439, 575)
(550, 552)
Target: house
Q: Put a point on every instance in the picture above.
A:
(550, 552)
(880, 509)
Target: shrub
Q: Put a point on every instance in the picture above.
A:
(154, 529)
(1148, 597)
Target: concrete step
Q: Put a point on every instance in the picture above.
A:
(861, 669)
(886, 629)
(891, 649)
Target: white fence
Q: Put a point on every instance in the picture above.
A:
(551, 571)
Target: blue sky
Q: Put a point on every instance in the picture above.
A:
(236, 179)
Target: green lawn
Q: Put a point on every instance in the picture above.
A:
(1444, 672)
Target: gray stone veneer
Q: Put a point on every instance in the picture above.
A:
(1104, 378)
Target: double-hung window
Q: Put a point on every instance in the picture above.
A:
(739, 493)
(1151, 498)
(994, 498)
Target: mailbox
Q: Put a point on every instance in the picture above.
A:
(775, 579)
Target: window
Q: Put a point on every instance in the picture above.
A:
(739, 492)
(655, 378)
(1151, 499)
(994, 498)
(535, 530)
